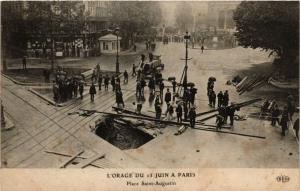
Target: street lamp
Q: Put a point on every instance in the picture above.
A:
(117, 58)
(187, 37)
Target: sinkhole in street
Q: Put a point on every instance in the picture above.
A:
(121, 136)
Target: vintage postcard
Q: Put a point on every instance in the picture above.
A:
(149, 95)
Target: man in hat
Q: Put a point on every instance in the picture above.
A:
(92, 91)
(133, 70)
(81, 89)
(100, 81)
(220, 99)
(168, 96)
(125, 77)
(179, 112)
(106, 81)
(226, 98)
(192, 116)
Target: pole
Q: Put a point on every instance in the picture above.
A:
(117, 61)
(52, 42)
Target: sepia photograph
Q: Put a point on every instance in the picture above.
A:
(150, 85)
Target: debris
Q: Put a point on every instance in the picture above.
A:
(89, 161)
(71, 159)
(63, 154)
(181, 130)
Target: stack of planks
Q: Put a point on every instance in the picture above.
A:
(250, 83)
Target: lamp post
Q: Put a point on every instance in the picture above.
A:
(117, 57)
(187, 37)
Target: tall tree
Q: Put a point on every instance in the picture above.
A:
(135, 16)
(271, 26)
(184, 17)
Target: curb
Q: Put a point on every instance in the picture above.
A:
(24, 83)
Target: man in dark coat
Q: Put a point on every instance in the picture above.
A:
(125, 77)
(143, 84)
(168, 96)
(193, 92)
(113, 83)
(231, 111)
(133, 70)
(100, 81)
(24, 63)
(151, 85)
(81, 89)
(106, 82)
(220, 99)
(161, 90)
(225, 98)
(119, 98)
(284, 120)
(213, 98)
(92, 91)
(192, 116)
(296, 128)
(179, 113)
(75, 87)
(174, 83)
(275, 115)
(158, 112)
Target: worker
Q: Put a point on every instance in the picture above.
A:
(226, 98)
(119, 99)
(106, 81)
(179, 113)
(219, 122)
(125, 77)
(284, 120)
(231, 111)
(213, 98)
(100, 80)
(113, 82)
(220, 99)
(161, 89)
(92, 91)
(133, 70)
(81, 89)
(193, 92)
(168, 96)
(275, 112)
(192, 116)
(174, 83)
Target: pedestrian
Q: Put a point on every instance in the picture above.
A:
(161, 89)
(55, 92)
(219, 121)
(119, 99)
(157, 102)
(118, 86)
(174, 83)
(193, 92)
(275, 115)
(192, 116)
(75, 87)
(151, 86)
(143, 84)
(168, 96)
(220, 99)
(94, 76)
(24, 61)
(113, 82)
(185, 109)
(125, 77)
(284, 120)
(98, 71)
(92, 91)
(231, 111)
(170, 111)
(138, 92)
(291, 106)
(134, 48)
(296, 128)
(133, 70)
(213, 98)
(226, 98)
(202, 48)
(106, 82)
(81, 89)
(179, 113)
(100, 81)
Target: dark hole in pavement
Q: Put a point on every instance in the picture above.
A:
(290, 153)
(123, 137)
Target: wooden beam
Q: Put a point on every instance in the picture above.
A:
(71, 159)
(89, 161)
(128, 111)
(63, 154)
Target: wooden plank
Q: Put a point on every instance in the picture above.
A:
(89, 161)
(62, 154)
(71, 159)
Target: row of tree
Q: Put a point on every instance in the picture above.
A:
(42, 19)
